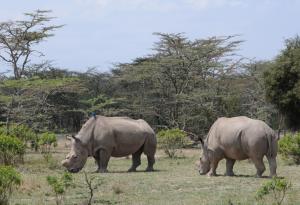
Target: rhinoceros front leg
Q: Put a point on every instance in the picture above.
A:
(151, 161)
(102, 160)
(213, 167)
(229, 167)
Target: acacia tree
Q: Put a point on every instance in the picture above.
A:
(182, 85)
(250, 88)
(190, 69)
(38, 101)
(17, 39)
(282, 81)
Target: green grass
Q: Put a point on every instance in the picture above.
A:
(176, 181)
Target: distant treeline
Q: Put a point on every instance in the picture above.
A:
(185, 84)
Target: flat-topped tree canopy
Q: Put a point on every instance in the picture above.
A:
(18, 38)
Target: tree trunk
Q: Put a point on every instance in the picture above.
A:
(8, 115)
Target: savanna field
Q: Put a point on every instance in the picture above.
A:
(175, 181)
(80, 59)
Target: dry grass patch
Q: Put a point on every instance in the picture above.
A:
(175, 182)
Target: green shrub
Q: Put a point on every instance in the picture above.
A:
(9, 179)
(289, 147)
(22, 132)
(171, 140)
(59, 185)
(12, 150)
(3, 130)
(277, 188)
(47, 140)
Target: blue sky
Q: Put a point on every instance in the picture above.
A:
(102, 32)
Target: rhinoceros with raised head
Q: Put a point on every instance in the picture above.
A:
(238, 138)
(102, 137)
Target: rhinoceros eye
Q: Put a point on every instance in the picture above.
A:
(75, 157)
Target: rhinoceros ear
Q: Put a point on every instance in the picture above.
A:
(75, 138)
(201, 141)
(68, 137)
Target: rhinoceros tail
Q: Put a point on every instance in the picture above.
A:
(150, 144)
(272, 144)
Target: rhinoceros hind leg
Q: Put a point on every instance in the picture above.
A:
(260, 167)
(151, 161)
(136, 160)
(229, 167)
(272, 166)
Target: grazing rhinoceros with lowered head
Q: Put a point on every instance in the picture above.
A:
(102, 137)
(238, 138)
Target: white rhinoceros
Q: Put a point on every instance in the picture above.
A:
(238, 138)
(102, 137)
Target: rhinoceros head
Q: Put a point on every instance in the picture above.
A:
(204, 162)
(77, 157)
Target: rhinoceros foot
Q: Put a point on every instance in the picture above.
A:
(210, 174)
(132, 170)
(149, 169)
(229, 174)
(102, 171)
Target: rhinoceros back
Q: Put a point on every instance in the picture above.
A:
(124, 135)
